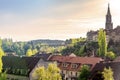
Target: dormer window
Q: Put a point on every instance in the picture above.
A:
(64, 64)
(74, 65)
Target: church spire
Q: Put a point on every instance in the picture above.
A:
(109, 24)
(108, 12)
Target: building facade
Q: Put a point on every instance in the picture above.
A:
(70, 66)
(111, 34)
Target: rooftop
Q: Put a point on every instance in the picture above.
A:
(22, 63)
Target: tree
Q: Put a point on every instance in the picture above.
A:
(0, 42)
(110, 55)
(2, 75)
(91, 47)
(108, 74)
(34, 51)
(81, 51)
(53, 72)
(1, 54)
(1, 50)
(29, 52)
(84, 72)
(50, 73)
(1, 64)
(102, 43)
(39, 73)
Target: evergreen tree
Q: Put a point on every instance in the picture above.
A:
(102, 43)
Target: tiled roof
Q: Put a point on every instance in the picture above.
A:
(117, 59)
(114, 65)
(74, 60)
(44, 56)
(69, 59)
(19, 62)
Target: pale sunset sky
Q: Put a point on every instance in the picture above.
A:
(24, 20)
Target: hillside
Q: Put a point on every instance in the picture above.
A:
(49, 42)
(20, 48)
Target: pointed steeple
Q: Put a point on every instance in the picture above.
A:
(108, 24)
(108, 12)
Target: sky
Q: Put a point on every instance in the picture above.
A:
(24, 20)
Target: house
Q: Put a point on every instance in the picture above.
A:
(70, 66)
(21, 68)
(44, 56)
(99, 67)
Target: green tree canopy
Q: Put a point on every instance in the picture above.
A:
(81, 51)
(2, 75)
(110, 55)
(40, 73)
(51, 73)
(34, 51)
(108, 74)
(0, 42)
(1, 54)
(29, 52)
(84, 72)
(102, 43)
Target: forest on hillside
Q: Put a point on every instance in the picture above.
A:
(20, 48)
(79, 46)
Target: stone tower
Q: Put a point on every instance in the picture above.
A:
(108, 24)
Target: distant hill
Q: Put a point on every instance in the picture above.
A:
(21, 47)
(49, 42)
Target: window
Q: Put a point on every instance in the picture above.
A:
(71, 73)
(74, 65)
(76, 74)
(58, 63)
(64, 64)
(62, 72)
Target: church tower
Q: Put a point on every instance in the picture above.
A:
(108, 24)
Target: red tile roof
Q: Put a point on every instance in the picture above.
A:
(82, 60)
(74, 60)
